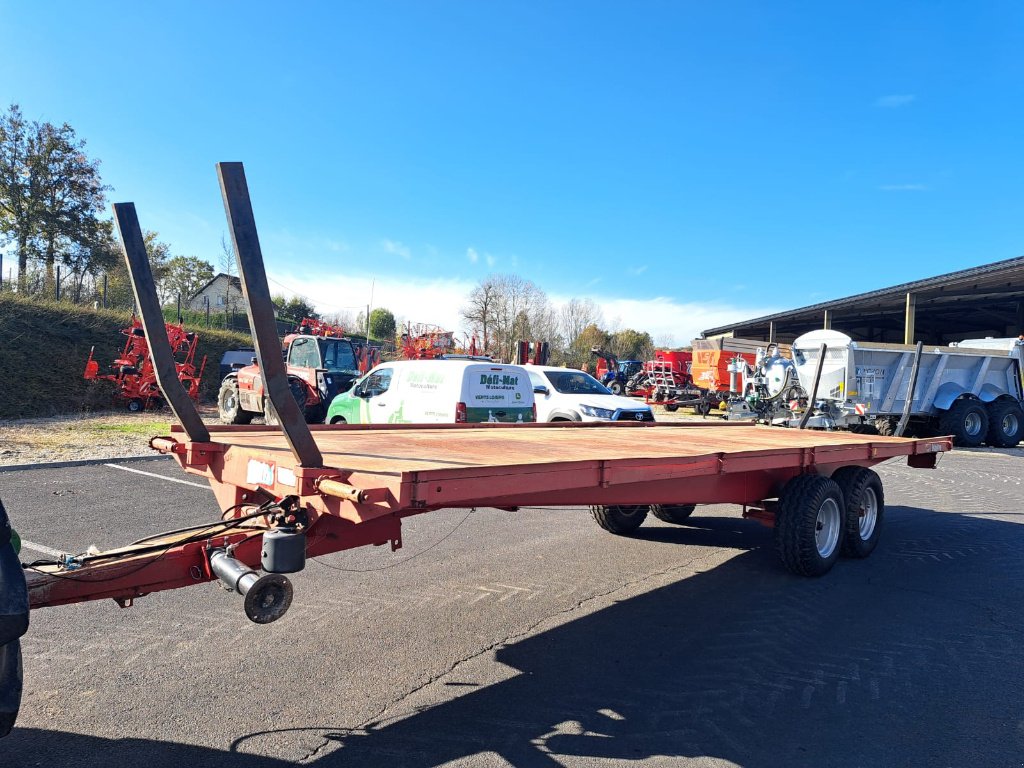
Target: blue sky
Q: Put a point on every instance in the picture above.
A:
(685, 164)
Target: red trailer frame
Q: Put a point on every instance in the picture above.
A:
(308, 491)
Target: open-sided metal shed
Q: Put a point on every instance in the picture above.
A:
(972, 303)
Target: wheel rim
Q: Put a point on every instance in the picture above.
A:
(972, 424)
(1010, 424)
(826, 528)
(868, 514)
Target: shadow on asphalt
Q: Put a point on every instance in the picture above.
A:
(910, 658)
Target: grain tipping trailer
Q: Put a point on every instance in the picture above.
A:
(296, 491)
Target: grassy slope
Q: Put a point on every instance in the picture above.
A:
(44, 346)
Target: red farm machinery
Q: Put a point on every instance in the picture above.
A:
(321, 362)
(294, 491)
(133, 374)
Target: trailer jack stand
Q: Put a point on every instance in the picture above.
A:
(267, 597)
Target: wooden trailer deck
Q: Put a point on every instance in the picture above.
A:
(407, 468)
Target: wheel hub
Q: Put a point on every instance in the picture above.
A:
(827, 527)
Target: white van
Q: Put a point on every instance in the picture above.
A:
(442, 391)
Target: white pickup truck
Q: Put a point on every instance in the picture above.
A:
(567, 394)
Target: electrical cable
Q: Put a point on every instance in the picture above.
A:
(400, 562)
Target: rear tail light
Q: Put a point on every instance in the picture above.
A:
(460, 413)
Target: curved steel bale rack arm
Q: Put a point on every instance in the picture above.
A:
(349, 486)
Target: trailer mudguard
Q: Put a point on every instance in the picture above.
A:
(947, 394)
(13, 624)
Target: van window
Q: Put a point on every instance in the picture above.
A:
(376, 383)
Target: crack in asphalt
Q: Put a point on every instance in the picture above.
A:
(367, 726)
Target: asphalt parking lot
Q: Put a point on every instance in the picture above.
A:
(534, 638)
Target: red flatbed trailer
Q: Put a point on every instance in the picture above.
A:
(308, 491)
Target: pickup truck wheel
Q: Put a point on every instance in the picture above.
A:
(1005, 424)
(809, 525)
(966, 421)
(677, 514)
(620, 520)
(864, 509)
(229, 407)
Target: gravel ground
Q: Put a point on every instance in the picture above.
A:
(73, 437)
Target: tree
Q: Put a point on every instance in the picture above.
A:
(628, 344)
(71, 192)
(294, 309)
(20, 203)
(382, 324)
(504, 309)
(578, 354)
(185, 276)
(51, 195)
(226, 258)
(576, 315)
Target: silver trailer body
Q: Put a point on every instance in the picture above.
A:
(867, 383)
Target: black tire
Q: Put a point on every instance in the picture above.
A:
(298, 390)
(671, 407)
(864, 503)
(12, 675)
(966, 421)
(136, 405)
(229, 406)
(809, 525)
(1005, 424)
(616, 387)
(886, 427)
(620, 520)
(677, 514)
(338, 420)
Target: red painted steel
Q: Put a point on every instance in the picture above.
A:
(397, 471)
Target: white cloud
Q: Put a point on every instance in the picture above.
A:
(491, 260)
(472, 255)
(895, 100)
(663, 316)
(438, 301)
(637, 270)
(398, 249)
(904, 187)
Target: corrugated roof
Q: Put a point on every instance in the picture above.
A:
(987, 272)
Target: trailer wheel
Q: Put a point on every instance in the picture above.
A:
(966, 421)
(229, 406)
(886, 427)
(677, 514)
(809, 525)
(620, 520)
(671, 407)
(865, 509)
(1005, 424)
(135, 405)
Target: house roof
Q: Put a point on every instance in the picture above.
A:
(232, 280)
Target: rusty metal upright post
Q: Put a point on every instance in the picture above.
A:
(144, 287)
(253, 275)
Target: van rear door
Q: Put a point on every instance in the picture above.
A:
(497, 393)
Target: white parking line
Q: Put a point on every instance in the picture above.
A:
(40, 549)
(159, 477)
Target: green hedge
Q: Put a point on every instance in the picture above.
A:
(44, 346)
